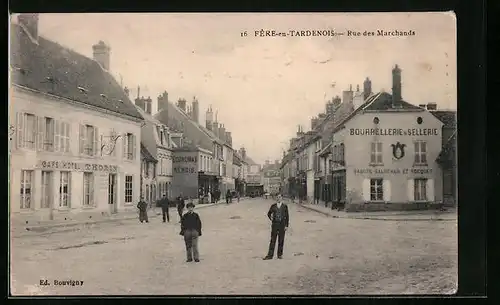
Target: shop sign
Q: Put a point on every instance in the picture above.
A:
(184, 170)
(393, 171)
(185, 159)
(74, 166)
(394, 132)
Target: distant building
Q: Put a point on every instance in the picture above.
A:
(76, 143)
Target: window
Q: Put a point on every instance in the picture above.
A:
(376, 190)
(421, 152)
(129, 147)
(420, 190)
(27, 130)
(26, 189)
(46, 133)
(88, 140)
(161, 136)
(61, 137)
(128, 189)
(88, 189)
(64, 190)
(376, 153)
(46, 189)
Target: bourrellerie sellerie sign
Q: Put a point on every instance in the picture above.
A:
(74, 166)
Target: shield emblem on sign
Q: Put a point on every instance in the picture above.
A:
(398, 150)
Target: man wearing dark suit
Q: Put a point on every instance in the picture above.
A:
(278, 214)
(164, 202)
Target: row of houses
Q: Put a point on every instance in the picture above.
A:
(374, 151)
(80, 146)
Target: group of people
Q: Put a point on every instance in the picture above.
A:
(191, 225)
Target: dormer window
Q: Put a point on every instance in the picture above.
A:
(161, 137)
(103, 95)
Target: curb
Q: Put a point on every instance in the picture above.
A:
(377, 217)
(83, 223)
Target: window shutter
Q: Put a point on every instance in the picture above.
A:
(58, 129)
(411, 190)
(20, 129)
(430, 190)
(82, 138)
(387, 190)
(40, 133)
(366, 190)
(134, 147)
(124, 148)
(97, 148)
(91, 189)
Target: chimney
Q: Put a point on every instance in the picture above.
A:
(148, 105)
(229, 139)
(314, 123)
(127, 92)
(347, 95)
(243, 153)
(29, 22)
(209, 118)
(431, 106)
(102, 54)
(163, 101)
(367, 88)
(267, 162)
(195, 110)
(140, 102)
(222, 133)
(215, 128)
(181, 103)
(357, 88)
(337, 101)
(396, 86)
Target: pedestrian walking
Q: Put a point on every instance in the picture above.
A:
(180, 206)
(191, 230)
(143, 210)
(238, 196)
(164, 203)
(228, 196)
(278, 214)
(209, 195)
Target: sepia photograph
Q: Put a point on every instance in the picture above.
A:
(181, 154)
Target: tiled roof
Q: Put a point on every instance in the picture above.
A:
(174, 116)
(146, 154)
(381, 101)
(51, 68)
(448, 117)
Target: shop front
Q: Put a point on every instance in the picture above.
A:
(61, 190)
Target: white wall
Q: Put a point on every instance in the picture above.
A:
(23, 159)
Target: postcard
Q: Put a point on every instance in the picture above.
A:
(233, 154)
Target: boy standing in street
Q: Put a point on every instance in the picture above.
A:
(278, 214)
(191, 230)
(143, 213)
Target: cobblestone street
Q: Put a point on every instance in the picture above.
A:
(323, 255)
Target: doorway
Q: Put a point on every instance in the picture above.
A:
(112, 200)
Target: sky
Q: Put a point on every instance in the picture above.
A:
(264, 87)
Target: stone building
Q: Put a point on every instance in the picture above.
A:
(76, 135)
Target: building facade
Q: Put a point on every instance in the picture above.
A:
(76, 140)
(148, 176)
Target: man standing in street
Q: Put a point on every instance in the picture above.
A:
(164, 202)
(143, 210)
(278, 214)
(191, 230)
(180, 206)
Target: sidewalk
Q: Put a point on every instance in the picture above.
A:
(420, 215)
(16, 228)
